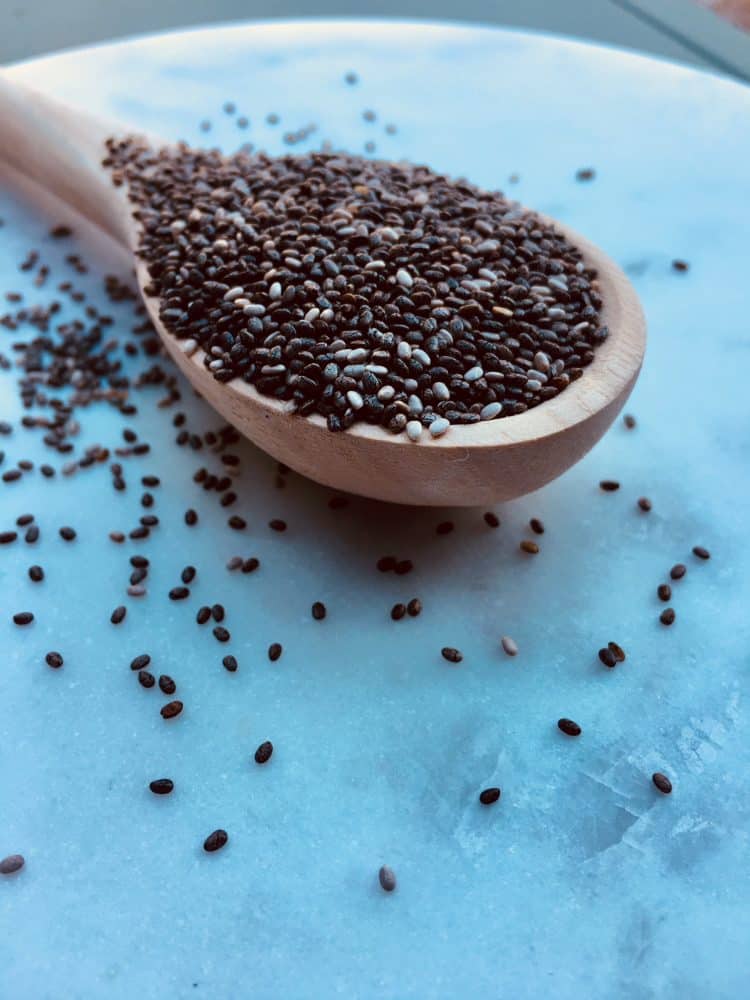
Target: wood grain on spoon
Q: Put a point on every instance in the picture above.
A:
(61, 149)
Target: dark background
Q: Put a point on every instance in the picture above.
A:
(678, 29)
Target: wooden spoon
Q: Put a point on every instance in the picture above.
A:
(61, 149)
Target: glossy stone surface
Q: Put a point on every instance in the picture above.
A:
(583, 879)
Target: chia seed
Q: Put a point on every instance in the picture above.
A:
(489, 796)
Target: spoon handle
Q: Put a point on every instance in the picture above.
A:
(61, 149)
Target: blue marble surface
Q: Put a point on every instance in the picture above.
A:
(583, 880)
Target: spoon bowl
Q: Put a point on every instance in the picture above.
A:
(479, 464)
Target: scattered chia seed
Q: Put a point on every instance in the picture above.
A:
(146, 679)
(387, 879)
(221, 634)
(700, 552)
(36, 574)
(536, 526)
(629, 421)
(171, 709)
(67, 534)
(680, 265)
(319, 611)
(23, 618)
(229, 663)
(277, 525)
(263, 753)
(667, 617)
(32, 534)
(530, 547)
(54, 660)
(166, 684)
(403, 567)
(645, 504)
(12, 864)
(118, 615)
(179, 593)
(451, 655)
(585, 174)
(491, 520)
(678, 571)
(215, 841)
(662, 782)
(203, 615)
(568, 727)
(489, 796)
(191, 517)
(218, 613)
(6, 537)
(398, 611)
(414, 607)
(274, 651)
(609, 485)
(140, 661)
(161, 786)
(509, 645)
(250, 565)
(664, 592)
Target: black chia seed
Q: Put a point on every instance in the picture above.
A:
(568, 727)
(489, 795)
(161, 786)
(387, 879)
(451, 654)
(12, 864)
(662, 782)
(263, 753)
(215, 841)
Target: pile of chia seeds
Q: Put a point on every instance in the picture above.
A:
(360, 289)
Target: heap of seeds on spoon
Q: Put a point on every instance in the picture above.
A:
(357, 289)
